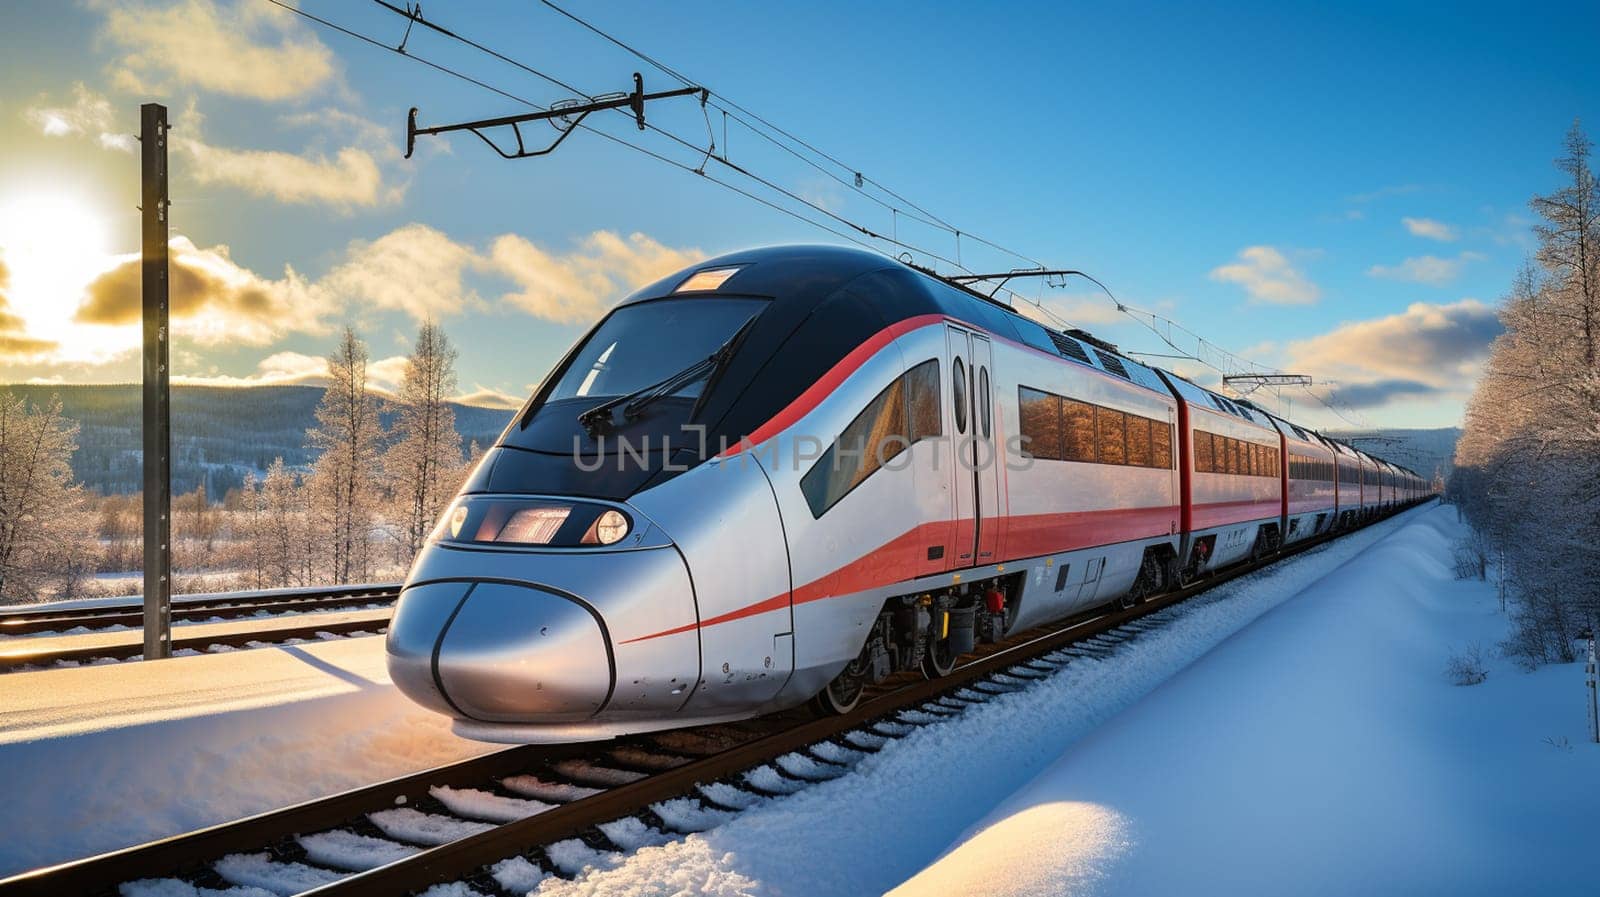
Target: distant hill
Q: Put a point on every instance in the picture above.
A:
(218, 433)
(1425, 451)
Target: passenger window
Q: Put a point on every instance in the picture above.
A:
(1161, 445)
(1205, 459)
(1041, 423)
(907, 410)
(1138, 441)
(1113, 441)
(1078, 437)
(922, 400)
(983, 400)
(958, 381)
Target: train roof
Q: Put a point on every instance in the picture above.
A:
(807, 275)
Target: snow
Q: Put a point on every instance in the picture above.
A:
(517, 875)
(427, 829)
(258, 870)
(340, 849)
(476, 804)
(121, 754)
(872, 828)
(1321, 751)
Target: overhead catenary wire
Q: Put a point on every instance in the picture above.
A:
(743, 116)
(709, 153)
(855, 173)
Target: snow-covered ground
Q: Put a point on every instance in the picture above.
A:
(1320, 751)
(870, 830)
(101, 757)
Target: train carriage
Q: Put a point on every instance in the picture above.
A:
(1233, 498)
(1371, 486)
(1347, 469)
(1310, 498)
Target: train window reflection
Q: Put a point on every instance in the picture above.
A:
(638, 345)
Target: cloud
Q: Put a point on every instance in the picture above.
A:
(350, 178)
(1428, 348)
(484, 397)
(1428, 269)
(364, 173)
(414, 269)
(299, 369)
(243, 49)
(1380, 392)
(15, 344)
(213, 299)
(1430, 229)
(577, 286)
(1268, 277)
(89, 114)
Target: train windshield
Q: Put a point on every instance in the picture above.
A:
(643, 344)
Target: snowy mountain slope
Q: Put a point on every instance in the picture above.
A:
(217, 433)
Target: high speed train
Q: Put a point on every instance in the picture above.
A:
(782, 475)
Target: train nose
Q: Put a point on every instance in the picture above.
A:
(498, 652)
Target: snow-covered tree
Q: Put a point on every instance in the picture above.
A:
(1528, 463)
(44, 525)
(424, 464)
(344, 479)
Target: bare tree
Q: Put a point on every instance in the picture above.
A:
(424, 463)
(344, 477)
(44, 525)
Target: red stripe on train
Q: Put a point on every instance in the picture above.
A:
(897, 560)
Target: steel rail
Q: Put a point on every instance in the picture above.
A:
(754, 743)
(19, 654)
(27, 621)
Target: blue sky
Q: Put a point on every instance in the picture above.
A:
(1341, 192)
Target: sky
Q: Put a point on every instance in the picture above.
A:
(1333, 190)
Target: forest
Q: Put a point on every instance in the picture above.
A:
(1527, 466)
(274, 486)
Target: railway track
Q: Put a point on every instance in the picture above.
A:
(498, 821)
(23, 621)
(35, 646)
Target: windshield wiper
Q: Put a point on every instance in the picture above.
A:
(598, 418)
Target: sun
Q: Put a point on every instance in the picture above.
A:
(53, 242)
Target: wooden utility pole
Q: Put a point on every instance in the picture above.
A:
(157, 393)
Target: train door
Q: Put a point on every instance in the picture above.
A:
(975, 473)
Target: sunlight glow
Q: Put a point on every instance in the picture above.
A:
(54, 242)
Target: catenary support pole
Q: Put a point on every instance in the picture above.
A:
(157, 396)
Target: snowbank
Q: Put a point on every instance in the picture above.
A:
(869, 830)
(1320, 751)
(101, 757)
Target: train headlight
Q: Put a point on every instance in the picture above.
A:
(514, 520)
(607, 529)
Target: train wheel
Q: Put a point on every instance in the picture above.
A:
(939, 661)
(843, 693)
